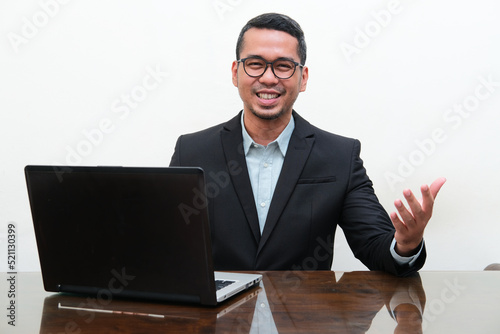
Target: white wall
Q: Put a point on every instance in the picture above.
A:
(392, 73)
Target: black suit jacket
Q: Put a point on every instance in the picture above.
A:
(322, 184)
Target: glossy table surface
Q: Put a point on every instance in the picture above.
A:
(285, 302)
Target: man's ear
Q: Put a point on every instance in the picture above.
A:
(234, 71)
(305, 77)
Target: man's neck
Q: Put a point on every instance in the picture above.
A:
(265, 131)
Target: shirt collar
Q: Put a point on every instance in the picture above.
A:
(282, 141)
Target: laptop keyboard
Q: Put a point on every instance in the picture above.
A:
(219, 283)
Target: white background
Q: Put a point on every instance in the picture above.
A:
(390, 73)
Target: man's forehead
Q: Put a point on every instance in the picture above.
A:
(257, 40)
(266, 33)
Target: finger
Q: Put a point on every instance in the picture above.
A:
(414, 204)
(427, 199)
(406, 215)
(398, 224)
(430, 193)
(436, 186)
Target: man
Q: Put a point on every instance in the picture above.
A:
(283, 184)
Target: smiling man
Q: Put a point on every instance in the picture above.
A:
(285, 185)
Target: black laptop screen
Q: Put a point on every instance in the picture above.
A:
(124, 228)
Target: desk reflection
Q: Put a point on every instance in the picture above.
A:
(303, 304)
(284, 302)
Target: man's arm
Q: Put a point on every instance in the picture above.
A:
(367, 225)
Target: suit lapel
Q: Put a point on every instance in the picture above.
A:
(232, 143)
(300, 146)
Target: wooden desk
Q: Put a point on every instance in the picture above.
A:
(286, 302)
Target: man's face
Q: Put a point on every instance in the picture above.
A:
(268, 97)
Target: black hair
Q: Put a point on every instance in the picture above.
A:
(279, 22)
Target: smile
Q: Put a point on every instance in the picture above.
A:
(266, 96)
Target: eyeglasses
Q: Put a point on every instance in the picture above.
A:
(282, 68)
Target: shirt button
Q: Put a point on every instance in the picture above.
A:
(263, 204)
(266, 164)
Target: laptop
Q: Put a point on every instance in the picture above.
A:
(133, 232)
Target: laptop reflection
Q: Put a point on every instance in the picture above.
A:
(64, 313)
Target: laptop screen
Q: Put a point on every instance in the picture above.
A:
(121, 229)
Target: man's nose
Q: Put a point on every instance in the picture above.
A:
(268, 76)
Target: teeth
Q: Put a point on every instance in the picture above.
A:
(268, 96)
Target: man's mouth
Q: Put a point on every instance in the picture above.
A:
(267, 96)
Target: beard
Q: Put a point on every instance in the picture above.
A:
(268, 116)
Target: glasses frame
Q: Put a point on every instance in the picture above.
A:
(242, 60)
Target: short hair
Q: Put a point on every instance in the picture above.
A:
(279, 22)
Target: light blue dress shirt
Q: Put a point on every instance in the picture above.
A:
(264, 167)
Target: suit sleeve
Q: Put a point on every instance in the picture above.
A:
(366, 224)
(176, 160)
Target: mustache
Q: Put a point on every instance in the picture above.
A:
(278, 89)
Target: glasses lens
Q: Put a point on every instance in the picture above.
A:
(284, 69)
(254, 67)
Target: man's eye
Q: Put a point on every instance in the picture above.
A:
(255, 63)
(284, 66)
